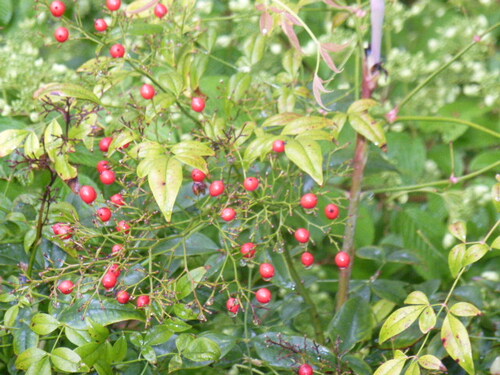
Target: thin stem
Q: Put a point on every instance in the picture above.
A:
(452, 120)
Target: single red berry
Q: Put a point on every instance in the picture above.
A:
(228, 214)
(266, 271)
(279, 146)
(198, 104)
(248, 250)
(332, 211)
(342, 259)
(302, 235)
(103, 165)
(306, 370)
(147, 91)
(123, 226)
(61, 34)
(123, 297)
(233, 305)
(108, 177)
(117, 50)
(88, 194)
(64, 231)
(117, 200)
(57, 8)
(161, 10)
(109, 280)
(104, 214)
(115, 269)
(263, 295)
(117, 249)
(105, 143)
(198, 175)
(113, 5)
(216, 188)
(143, 301)
(307, 259)
(251, 183)
(309, 200)
(66, 286)
(100, 25)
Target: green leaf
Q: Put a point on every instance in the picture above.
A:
(456, 259)
(495, 196)
(456, 342)
(10, 140)
(175, 363)
(427, 320)
(78, 337)
(361, 105)
(177, 325)
(63, 168)
(431, 362)
(192, 148)
(157, 335)
(259, 147)
(6, 12)
(202, 349)
(184, 312)
(413, 369)
(145, 28)
(187, 283)
(92, 352)
(149, 354)
(183, 341)
(238, 85)
(123, 138)
(352, 324)
(10, 316)
(173, 82)
(41, 367)
(193, 161)
(459, 230)
(120, 349)
(32, 145)
(399, 320)
(43, 324)
(65, 359)
(474, 253)
(165, 180)
(281, 119)
(465, 309)
(29, 357)
(416, 298)
(66, 90)
(369, 128)
(196, 244)
(24, 337)
(307, 156)
(391, 367)
(357, 365)
(97, 331)
(305, 124)
(496, 243)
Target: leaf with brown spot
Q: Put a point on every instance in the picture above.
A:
(456, 342)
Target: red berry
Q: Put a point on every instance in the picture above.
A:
(105, 143)
(108, 177)
(248, 250)
(216, 188)
(279, 146)
(147, 91)
(103, 165)
(109, 280)
(123, 226)
(306, 370)
(61, 34)
(161, 10)
(143, 301)
(117, 200)
(64, 231)
(57, 8)
(342, 259)
(104, 214)
(302, 235)
(266, 271)
(66, 286)
(117, 50)
(123, 297)
(88, 194)
(113, 4)
(251, 183)
(309, 200)
(263, 295)
(116, 249)
(100, 25)
(198, 104)
(115, 269)
(332, 211)
(233, 305)
(228, 214)
(197, 175)
(307, 259)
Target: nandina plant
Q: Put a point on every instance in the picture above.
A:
(196, 205)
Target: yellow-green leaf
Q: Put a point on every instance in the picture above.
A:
(416, 298)
(165, 180)
(259, 147)
(431, 362)
(43, 324)
(193, 161)
(474, 253)
(65, 359)
(391, 367)
(413, 369)
(281, 119)
(369, 128)
(121, 140)
(304, 124)
(32, 145)
(496, 243)
(307, 155)
(11, 139)
(361, 105)
(456, 342)
(66, 90)
(427, 320)
(192, 148)
(456, 259)
(464, 309)
(28, 357)
(399, 320)
(63, 168)
(459, 230)
(52, 139)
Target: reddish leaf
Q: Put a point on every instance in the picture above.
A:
(266, 23)
(318, 88)
(287, 27)
(329, 61)
(293, 19)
